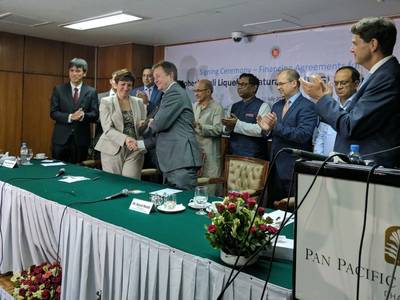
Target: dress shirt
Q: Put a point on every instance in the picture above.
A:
(325, 135)
(249, 129)
(79, 86)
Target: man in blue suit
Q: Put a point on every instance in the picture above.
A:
(372, 120)
(148, 91)
(291, 124)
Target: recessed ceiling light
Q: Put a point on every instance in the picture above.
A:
(102, 21)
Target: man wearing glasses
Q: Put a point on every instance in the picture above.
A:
(290, 125)
(346, 82)
(241, 123)
(208, 127)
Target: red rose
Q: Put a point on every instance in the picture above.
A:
(245, 195)
(220, 207)
(212, 228)
(272, 229)
(261, 211)
(45, 294)
(251, 202)
(263, 227)
(33, 288)
(22, 292)
(253, 229)
(210, 214)
(232, 207)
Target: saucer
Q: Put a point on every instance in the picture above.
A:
(40, 157)
(194, 205)
(177, 208)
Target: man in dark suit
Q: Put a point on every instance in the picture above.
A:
(148, 91)
(372, 120)
(177, 149)
(74, 106)
(291, 124)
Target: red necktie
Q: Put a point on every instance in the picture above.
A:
(76, 95)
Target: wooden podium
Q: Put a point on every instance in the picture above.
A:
(328, 232)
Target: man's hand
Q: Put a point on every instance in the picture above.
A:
(268, 122)
(77, 115)
(131, 143)
(316, 88)
(230, 122)
(143, 96)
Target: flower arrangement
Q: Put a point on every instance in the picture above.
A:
(231, 222)
(38, 282)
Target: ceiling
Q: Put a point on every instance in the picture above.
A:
(179, 21)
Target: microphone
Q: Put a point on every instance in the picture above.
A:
(314, 156)
(60, 172)
(122, 193)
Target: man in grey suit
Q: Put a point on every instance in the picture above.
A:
(74, 106)
(372, 120)
(177, 149)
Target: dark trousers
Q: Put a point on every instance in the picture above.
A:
(184, 178)
(70, 152)
(278, 189)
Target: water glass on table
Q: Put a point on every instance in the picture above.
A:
(200, 198)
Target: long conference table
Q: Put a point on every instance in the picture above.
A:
(110, 252)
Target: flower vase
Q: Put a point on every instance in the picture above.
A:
(230, 259)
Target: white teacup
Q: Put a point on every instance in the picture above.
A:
(40, 155)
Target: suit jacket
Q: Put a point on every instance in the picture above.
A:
(99, 129)
(176, 144)
(372, 120)
(294, 130)
(111, 119)
(62, 106)
(155, 94)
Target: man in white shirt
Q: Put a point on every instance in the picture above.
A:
(241, 124)
(346, 82)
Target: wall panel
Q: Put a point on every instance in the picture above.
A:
(10, 111)
(86, 52)
(43, 56)
(11, 52)
(113, 58)
(142, 57)
(37, 125)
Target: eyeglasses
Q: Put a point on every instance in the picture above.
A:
(282, 83)
(243, 84)
(199, 90)
(342, 83)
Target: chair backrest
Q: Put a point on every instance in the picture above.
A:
(245, 173)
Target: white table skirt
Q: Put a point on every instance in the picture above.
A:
(101, 258)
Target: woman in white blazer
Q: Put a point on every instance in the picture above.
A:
(120, 117)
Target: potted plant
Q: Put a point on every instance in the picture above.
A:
(38, 282)
(230, 224)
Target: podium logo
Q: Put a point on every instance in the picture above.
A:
(392, 244)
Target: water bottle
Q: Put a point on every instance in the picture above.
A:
(23, 153)
(354, 155)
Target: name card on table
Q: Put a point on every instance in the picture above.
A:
(9, 163)
(141, 206)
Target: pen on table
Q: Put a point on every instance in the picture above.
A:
(95, 178)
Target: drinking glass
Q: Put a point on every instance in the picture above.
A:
(170, 202)
(200, 198)
(29, 157)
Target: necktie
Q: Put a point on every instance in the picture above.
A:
(285, 108)
(76, 95)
